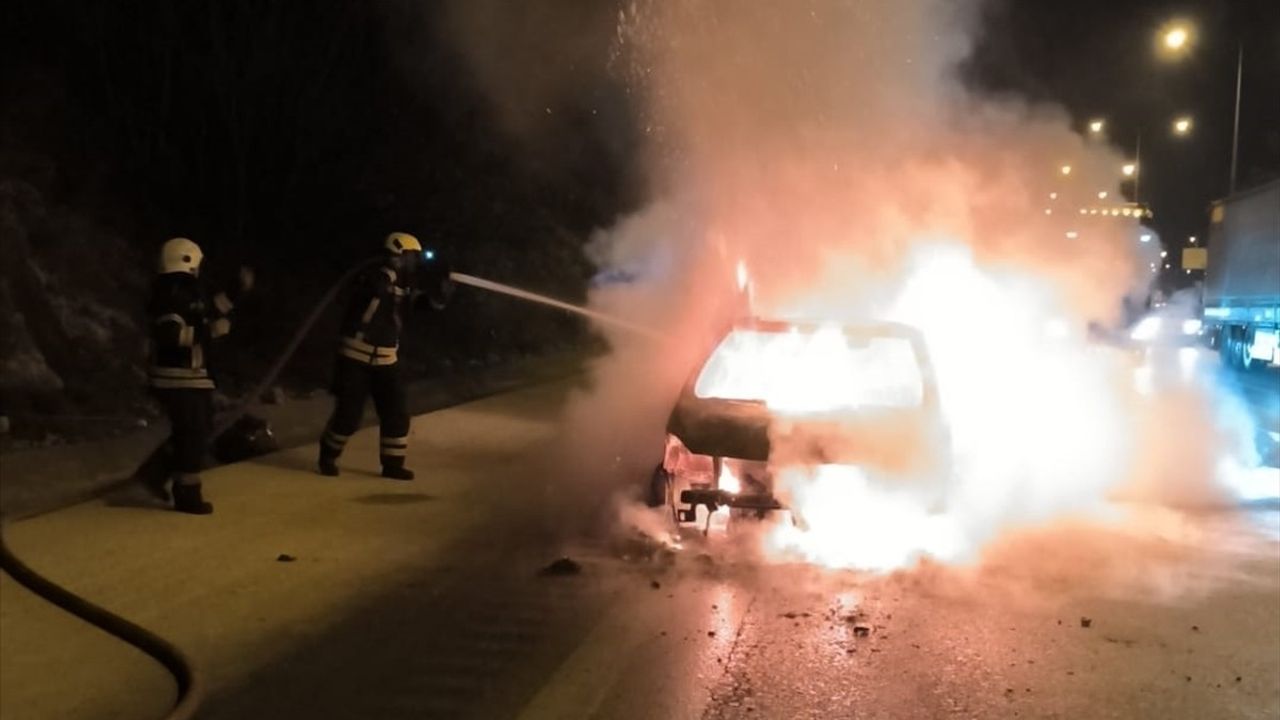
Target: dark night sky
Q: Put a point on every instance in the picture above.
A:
(1099, 59)
(261, 125)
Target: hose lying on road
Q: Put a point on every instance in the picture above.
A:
(190, 684)
(185, 673)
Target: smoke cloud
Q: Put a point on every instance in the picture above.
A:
(830, 147)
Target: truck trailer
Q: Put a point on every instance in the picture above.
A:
(1242, 279)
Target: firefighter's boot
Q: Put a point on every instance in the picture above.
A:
(328, 462)
(187, 496)
(394, 469)
(331, 446)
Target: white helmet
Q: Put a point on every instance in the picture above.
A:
(180, 255)
(399, 242)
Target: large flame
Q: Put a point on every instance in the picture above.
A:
(1042, 424)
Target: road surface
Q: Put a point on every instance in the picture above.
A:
(359, 597)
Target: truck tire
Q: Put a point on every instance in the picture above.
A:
(1245, 351)
(1226, 346)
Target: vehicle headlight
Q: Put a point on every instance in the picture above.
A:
(1192, 326)
(1146, 329)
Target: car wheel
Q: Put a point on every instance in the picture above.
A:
(659, 487)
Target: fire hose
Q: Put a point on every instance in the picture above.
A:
(185, 673)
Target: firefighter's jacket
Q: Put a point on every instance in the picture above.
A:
(185, 320)
(371, 326)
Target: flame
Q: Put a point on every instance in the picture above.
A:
(729, 482)
(822, 371)
(1040, 423)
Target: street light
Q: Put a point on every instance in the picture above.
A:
(1102, 194)
(1175, 38)
(1066, 169)
(1128, 169)
(1096, 126)
(1182, 126)
(1193, 239)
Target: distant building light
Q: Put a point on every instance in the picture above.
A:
(1053, 196)
(1193, 239)
(1146, 237)
(1102, 194)
(1072, 234)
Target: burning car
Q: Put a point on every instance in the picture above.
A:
(773, 395)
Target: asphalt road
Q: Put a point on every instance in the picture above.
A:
(423, 599)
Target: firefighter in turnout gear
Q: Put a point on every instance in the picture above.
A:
(186, 319)
(367, 354)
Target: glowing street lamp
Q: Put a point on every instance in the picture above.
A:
(1193, 239)
(1129, 169)
(1146, 237)
(1182, 126)
(1102, 194)
(1176, 37)
(1096, 126)
(1066, 169)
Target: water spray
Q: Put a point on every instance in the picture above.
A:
(491, 286)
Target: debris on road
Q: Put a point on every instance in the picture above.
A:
(285, 557)
(655, 584)
(561, 567)
(273, 395)
(1195, 628)
(1086, 622)
(711, 633)
(861, 631)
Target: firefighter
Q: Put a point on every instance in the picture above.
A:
(367, 354)
(186, 319)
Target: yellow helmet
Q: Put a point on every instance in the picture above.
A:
(180, 255)
(398, 242)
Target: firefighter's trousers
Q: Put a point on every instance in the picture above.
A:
(353, 383)
(190, 414)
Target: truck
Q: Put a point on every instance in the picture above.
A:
(1241, 316)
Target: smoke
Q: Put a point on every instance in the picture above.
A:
(831, 149)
